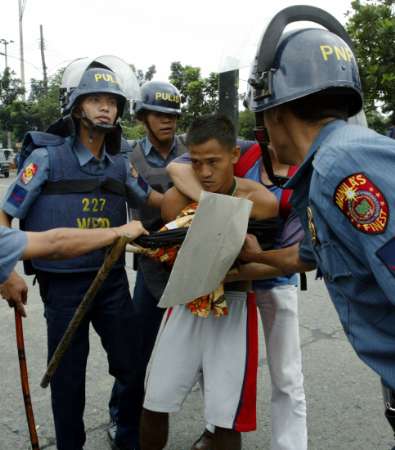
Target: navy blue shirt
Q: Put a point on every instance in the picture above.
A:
(154, 158)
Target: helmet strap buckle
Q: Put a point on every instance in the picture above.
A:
(262, 84)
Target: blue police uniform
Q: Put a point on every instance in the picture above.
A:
(12, 245)
(127, 400)
(343, 194)
(65, 185)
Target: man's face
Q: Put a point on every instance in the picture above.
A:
(100, 108)
(162, 125)
(279, 137)
(213, 165)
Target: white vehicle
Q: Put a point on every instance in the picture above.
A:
(5, 161)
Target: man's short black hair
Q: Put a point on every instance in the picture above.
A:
(212, 126)
(329, 103)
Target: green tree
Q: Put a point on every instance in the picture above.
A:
(247, 124)
(132, 130)
(371, 25)
(45, 104)
(37, 113)
(142, 76)
(11, 91)
(199, 95)
(10, 88)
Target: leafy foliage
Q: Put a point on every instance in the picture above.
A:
(199, 95)
(132, 130)
(143, 77)
(371, 25)
(10, 88)
(37, 113)
(247, 125)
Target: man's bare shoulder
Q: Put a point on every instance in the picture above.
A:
(246, 186)
(265, 203)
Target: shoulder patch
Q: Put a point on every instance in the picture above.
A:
(362, 202)
(28, 173)
(17, 196)
(387, 255)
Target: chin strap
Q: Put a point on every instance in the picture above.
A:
(103, 128)
(151, 131)
(262, 138)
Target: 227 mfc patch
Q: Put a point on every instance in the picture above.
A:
(387, 255)
(29, 173)
(362, 202)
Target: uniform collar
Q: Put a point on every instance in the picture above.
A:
(305, 167)
(84, 156)
(147, 146)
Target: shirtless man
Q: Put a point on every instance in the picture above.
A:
(221, 350)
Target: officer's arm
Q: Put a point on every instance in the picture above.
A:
(253, 271)
(155, 199)
(288, 260)
(173, 203)
(139, 190)
(14, 289)
(184, 178)
(5, 219)
(16, 203)
(61, 243)
(356, 198)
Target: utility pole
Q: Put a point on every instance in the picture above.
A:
(42, 48)
(5, 43)
(21, 5)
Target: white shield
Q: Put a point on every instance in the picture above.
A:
(211, 246)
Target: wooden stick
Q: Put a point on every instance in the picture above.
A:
(20, 342)
(138, 250)
(112, 257)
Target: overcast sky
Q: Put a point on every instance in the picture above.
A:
(143, 32)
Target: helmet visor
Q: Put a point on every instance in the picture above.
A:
(124, 73)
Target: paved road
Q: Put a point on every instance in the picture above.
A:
(343, 396)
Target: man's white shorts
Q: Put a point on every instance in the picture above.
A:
(224, 351)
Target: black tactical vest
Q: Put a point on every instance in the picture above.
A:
(155, 274)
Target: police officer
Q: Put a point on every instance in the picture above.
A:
(59, 243)
(77, 178)
(158, 110)
(304, 86)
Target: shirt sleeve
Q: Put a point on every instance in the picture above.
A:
(185, 158)
(306, 250)
(355, 196)
(12, 245)
(138, 190)
(28, 185)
